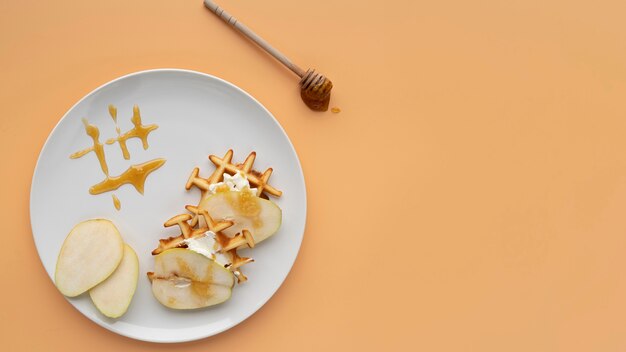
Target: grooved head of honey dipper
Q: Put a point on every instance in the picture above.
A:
(315, 91)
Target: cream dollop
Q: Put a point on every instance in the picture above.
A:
(236, 182)
(208, 247)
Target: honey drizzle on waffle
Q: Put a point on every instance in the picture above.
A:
(258, 180)
(240, 240)
(187, 231)
(229, 244)
(201, 217)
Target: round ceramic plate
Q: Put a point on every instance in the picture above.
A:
(197, 115)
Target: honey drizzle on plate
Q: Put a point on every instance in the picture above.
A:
(113, 113)
(97, 147)
(116, 202)
(135, 175)
(138, 131)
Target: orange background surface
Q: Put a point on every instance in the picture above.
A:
(470, 196)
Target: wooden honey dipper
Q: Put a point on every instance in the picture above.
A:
(314, 87)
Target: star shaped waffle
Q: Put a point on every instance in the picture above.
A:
(186, 231)
(229, 245)
(225, 165)
(237, 263)
(201, 219)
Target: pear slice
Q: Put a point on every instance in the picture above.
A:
(259, 216)
(90, 253)
(184, 279)
(113, 295)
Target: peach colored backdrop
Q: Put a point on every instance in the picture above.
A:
(485, 142)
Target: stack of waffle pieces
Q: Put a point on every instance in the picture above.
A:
(197, 222)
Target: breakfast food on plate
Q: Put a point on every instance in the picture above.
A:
(259, 216)
(113, 296)
(94, 258)
(90, 253)
(258, 180)
(208, 241)
(233, 199)
(184, 279)
(234, 213)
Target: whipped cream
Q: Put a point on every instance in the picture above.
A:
(236, 182)
(208, 247)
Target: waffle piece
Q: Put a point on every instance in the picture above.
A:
(186, 231)
(229, 244)
(195, 180)
(203, 219)
(240, 240)
(237, 260)
(256, 179)
(235, 267)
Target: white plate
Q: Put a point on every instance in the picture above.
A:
(198, 115)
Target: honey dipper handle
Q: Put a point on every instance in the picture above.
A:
(228, 18)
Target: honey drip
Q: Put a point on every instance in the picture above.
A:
(247, 204)
(116, 202)
(199, 285)
(113, 113)
(98, 148)
(138, 131)
(135, 175)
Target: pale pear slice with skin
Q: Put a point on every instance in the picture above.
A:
(260, 216)
(113, 295)
(184, 279)
(90, 253)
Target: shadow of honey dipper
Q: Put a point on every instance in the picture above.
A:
(314, 87)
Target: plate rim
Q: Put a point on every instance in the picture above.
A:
(301, 180)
